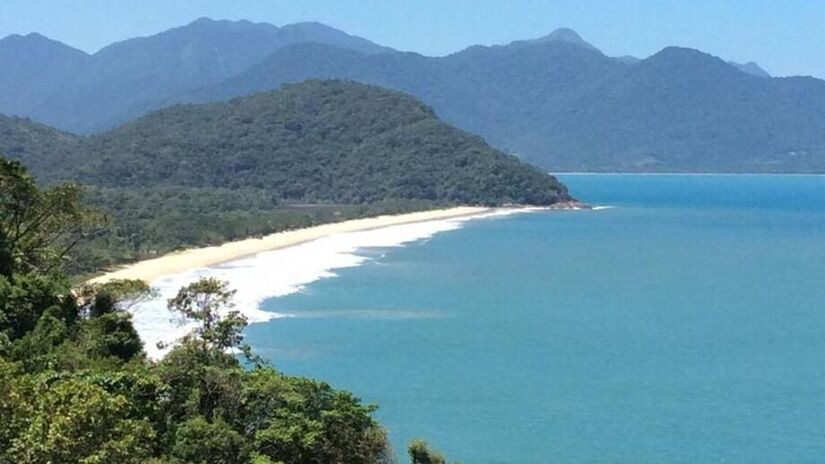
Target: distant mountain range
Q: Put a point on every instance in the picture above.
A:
(556, 101)
(67, 88)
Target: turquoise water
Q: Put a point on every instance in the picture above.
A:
(684, 325)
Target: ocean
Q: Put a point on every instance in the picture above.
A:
(684, 323)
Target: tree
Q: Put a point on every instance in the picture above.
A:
(199, 441)
(420, 453)
(298, 420)
(75, 386)
(115, 295)
(72, 419)
(208, 303)
(38, 228)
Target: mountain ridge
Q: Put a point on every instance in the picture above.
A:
(521, 97)
(128, 78)
(531, 93)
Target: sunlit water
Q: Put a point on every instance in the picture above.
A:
(684, 325)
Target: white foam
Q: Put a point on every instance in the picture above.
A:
(599, 208)
(280, 272)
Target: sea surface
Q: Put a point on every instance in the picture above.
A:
(684, 324)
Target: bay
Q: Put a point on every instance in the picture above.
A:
(684, 324)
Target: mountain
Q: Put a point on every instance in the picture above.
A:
(556, 101)
(318, 141)
(321, 33)
(683, 110)
(493, 91)
(751, 68)
(568, 107)
(306, 154)
(34, 69)
(562, 34)
(69, 89)
(627, 59)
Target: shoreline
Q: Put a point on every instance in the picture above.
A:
(184, 260)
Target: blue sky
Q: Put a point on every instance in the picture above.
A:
(786, 37)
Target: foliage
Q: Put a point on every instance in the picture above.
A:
(319, 141)
(107, 297)
(420, 453)
(199, 441)
(75, 386)
(39, 228)
(74, 420)
(207, 302)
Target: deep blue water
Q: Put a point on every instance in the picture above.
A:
(684, 325)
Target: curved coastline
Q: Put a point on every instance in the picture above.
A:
(181, 261)
(283, 263)
(277, 264)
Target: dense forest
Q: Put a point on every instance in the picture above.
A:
(310, 153)
(318, 141)
(76, 386)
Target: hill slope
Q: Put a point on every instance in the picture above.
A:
(46, 151)
(494, 91)
(316, 141)
(683, 110)
(319, 141)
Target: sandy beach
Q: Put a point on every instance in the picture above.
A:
(180, 261)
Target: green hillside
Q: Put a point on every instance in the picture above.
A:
(331, 141)
(309, 153)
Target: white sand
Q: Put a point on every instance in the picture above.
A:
(280, 264)
(181, 261)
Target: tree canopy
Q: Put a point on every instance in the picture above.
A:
(76, 387)
(39, 228)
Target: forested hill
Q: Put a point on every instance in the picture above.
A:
(38, 146)
(327, 141)
(319, 151)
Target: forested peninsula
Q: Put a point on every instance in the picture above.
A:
(309, 153)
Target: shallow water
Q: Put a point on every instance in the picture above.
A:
(686, 324)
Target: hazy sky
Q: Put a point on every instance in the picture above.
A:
(784, 36)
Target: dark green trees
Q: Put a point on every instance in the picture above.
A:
(39, 227)
(207, 302)
(258, 412)
(421, 453)
(63, 358)
(75, 386)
